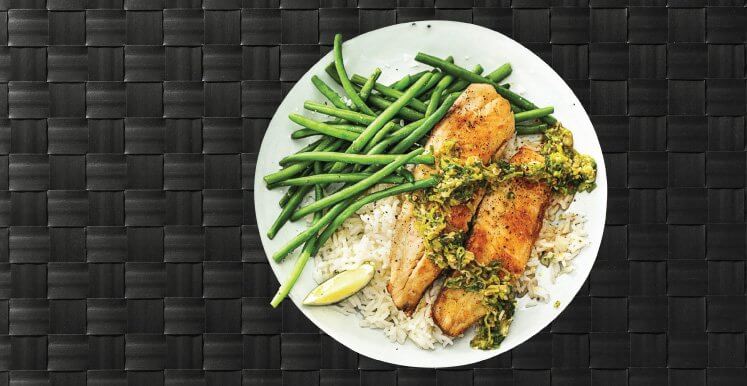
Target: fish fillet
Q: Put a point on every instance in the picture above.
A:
(505, 229)
(479, 123)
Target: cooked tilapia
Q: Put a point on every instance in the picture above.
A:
(505, 229)
(480, 123)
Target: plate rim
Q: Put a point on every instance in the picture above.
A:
(575, 288)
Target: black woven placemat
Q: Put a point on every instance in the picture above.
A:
(129, 251)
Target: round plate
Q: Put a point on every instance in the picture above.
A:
(393, 50)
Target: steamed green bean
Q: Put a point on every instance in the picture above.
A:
(309, 249)
(320, 179)
(360, 186)
(382, 119)
(533, 114)
(476, 78)
(415, 104)
(424, 128)
(500, 73)
(359, 159)
(329, 93)
(326, 144)
(351, 209)
(406, 81)
(534, 129)
(324, 128)
(369, 84)
(343, 76)
(461, 84)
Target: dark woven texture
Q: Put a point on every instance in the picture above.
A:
(129, 252)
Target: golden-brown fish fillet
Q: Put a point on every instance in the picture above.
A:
(505, 229)
(479, 123)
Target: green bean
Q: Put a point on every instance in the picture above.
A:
(377, 101)
(404, 131)
(287, 210)
(437, 76)
(381, 146)
(406, 174)
(437, 92)
(311, 231)
(352, 116)
(516, 109)
(535, 129)
(283, 174)
(369, 84)
(404, 112)
(359, 118)
(389, 92)
(530, 122)
(295, 273)
(400, 133)
(295, 169)
(428, 89)
(318, 190)
(500, 73)
(331, 70)
(354, 207)
(427, 96)
(451, 68)
(286, 197)
(533, 114)
(460, 72)
(377, 138)
(347, 115)
(402, 83)
(324, 128)
(461, 84)
(406, 81)
(397, 136)
(329, 93)
(359, 159)
(332, 215)
(308, 249)
(294, 200)
(343, 76)
(424, 128)
(435, 97)
(289, 193)
(318, 179)
(382, 119)
(520, 101)
(311, 146)
(303, 133)
(362, 185)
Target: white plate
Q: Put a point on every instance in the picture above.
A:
(393, 50)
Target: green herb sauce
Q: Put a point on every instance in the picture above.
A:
(564, 170)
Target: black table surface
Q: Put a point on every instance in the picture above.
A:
(129, 251)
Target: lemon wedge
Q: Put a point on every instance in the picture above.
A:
(340, 286)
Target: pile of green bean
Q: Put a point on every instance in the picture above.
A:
(373, 132)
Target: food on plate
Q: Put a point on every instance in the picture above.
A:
(479, 123)
(437, 198)
(505, 228)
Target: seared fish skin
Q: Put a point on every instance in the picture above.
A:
(479, 123)
(506, 226)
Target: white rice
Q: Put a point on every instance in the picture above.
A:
(366, 237)
(561, 239)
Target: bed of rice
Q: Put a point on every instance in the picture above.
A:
(367, 236)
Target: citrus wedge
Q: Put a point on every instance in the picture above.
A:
(340, 286)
